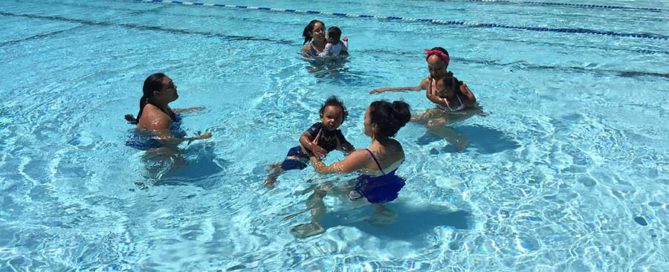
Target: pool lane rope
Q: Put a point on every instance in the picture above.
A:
(572, 5)
(430, 21)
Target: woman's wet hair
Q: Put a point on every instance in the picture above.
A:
(334, 32)
(334, 101)
(151, 84)
(389, 117)
(308, 29)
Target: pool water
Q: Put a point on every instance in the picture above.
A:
(568, 172)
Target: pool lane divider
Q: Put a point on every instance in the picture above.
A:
(572, 5)
(652, 36)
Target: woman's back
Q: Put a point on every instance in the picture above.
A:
(384, 158)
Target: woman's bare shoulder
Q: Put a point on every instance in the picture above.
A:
(154, 119)
(306, 48)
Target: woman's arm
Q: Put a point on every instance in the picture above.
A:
(356, 160)
(421, 86)
(166, 138)
(159, 123)
(188, 110)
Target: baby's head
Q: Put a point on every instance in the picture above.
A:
(334, 34)
(333, 113)
(437, 61)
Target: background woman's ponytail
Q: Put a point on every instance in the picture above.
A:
(151, 84)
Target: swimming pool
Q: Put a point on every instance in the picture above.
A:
(568, 172)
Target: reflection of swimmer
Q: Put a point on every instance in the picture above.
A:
(377, 164)
(454, 100)
(319, 139)
(157, 124)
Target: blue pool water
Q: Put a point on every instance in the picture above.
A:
(569, 172)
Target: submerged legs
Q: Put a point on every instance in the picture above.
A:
(317, 206)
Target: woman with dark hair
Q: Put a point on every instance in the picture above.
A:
(157, 122)
(376, 164)
(314, 39)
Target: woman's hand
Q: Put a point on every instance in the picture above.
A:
(189, 110)
(201, 136)
(205, 135)
(378, 91)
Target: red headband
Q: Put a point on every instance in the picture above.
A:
(439, 54)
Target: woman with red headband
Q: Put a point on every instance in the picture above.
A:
(453, 98)
(443, 89)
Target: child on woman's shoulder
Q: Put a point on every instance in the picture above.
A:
(334, 47)
(321, 138)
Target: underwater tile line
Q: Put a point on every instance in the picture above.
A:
(652, 36)
(38, 36)
(137, 27)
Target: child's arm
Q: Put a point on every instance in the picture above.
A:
(345, 41)
(421, 86)
(310, 143)
(343, 144)
(471, 99)
(326, 51)
(436, 99)
(347, 148)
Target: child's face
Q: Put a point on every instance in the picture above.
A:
(332, 117)
(331, 39)
(436, 66)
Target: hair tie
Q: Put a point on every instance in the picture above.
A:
(439, 54)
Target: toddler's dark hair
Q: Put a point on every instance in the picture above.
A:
(389, 117)
(334, 101)
(334, 32)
